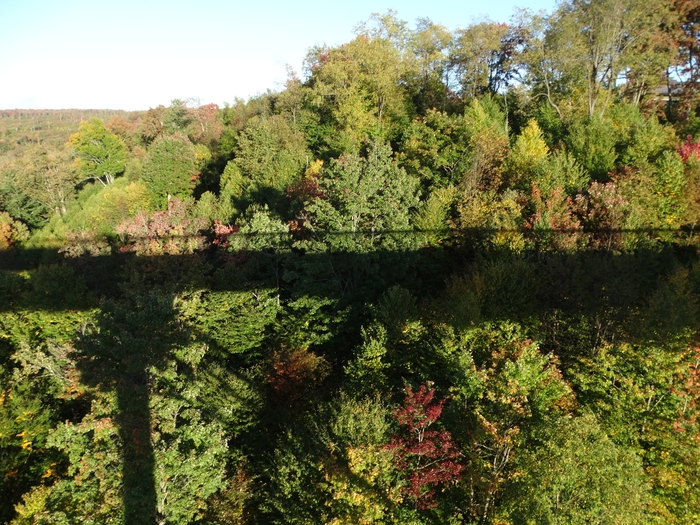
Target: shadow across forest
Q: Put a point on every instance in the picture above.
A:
(136, 327)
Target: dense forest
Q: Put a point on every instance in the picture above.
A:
(443, 277)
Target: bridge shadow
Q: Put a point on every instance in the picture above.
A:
(137, 325)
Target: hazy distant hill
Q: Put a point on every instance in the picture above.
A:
(19, 127)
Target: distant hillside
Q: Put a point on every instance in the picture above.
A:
(20, 127)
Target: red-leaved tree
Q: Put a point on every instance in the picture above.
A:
(689, 149)
(426, 456)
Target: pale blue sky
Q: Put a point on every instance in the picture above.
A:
(136, 54)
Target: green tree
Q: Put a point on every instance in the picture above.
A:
(590, 43)
(176, 117)
(33, 382)
(592, 143)
(21, 206)
(42, 174)
(359, 87)
(360, 473)
(529, 152)
(145, 452)
(367, 200)
(101, 155)
(483, 58)
(552, 59)
(506, 389)
(170, 169)
(270, 155)
(430, 47)
(437, 148)
(651, 412)
(573, 473)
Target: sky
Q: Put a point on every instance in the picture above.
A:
(137, 54)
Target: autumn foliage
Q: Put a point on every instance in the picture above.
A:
(294, 371)
(209, 314)
(427, 457)
(689, 149)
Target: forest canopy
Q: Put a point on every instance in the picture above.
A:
(442, 277)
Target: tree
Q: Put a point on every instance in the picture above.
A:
(152, 126)
(170, 231)
(145, 452)
(575, 474)
(355, 226)
(205, 127)
(12, 233)
(552, 61)
(366, 199)
(267, 242)
(553, 224)
(33, 382)
(270, 155)
(484, 57)
(176, 117)
(361, 473)
(427, 457)
(528, 153)
(170, 169)
(684, 32)
(123, 129)
(101, 154)
(506, 388)
(360, 86)
(436, 147)
(42, 174)
(21, 206)
(611, 35)
(653, 410)
(430, 44)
